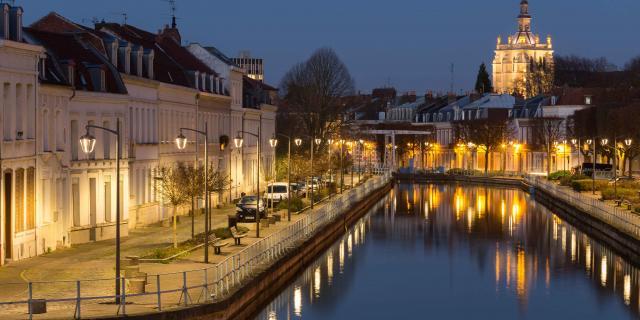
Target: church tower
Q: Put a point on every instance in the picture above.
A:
(513, 59)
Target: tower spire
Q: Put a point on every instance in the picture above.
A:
(524, 19)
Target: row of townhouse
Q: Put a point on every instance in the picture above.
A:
(437, 115)
(57, 77)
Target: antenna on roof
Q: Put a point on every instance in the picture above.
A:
(124, 15)
(172, 4)
(452, 73)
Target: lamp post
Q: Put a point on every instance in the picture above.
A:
(578, 145)
(288, 172)
(628, 142)
(88, 143)
(341, 171)
(592, 143)
(181, 143)
(360, 155)
(238, 141)
(329, 145)
(317, 141)
(273, 142)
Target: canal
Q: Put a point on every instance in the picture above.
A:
(459, 252)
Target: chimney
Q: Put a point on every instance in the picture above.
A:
(171, 33)
(4, 20)
(15, 24)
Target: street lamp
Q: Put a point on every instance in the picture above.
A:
(181, 143)
(627, 142)
(238, 141)
(288, 172)
(361, 145)
(330, 144)
(341, 141)
(88, 144)
(578, 146)
(298, 141)
(273, 142)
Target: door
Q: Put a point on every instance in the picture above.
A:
(8, 197)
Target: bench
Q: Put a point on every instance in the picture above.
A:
(619, 202)
(237, 235)
(217, 244)
(627, 204)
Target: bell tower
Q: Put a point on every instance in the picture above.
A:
(524, 19)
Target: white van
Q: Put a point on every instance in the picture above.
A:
(276, 192)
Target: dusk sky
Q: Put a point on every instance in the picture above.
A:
(407, 43)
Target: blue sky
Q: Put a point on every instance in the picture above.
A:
(407, 43)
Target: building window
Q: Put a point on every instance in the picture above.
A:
(587, 100)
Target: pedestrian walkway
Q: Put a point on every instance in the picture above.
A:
(96, 261)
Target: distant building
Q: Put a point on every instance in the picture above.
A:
(514, 58)
(254, 67)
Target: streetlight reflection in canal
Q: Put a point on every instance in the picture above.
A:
(424, 248)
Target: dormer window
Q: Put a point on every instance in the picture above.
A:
(147, 63)
(587, 100)
(212, 83)
(196, 80)
(42, 70)
(124, 58)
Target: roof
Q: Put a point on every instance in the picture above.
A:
(171, 61)
(75, 47)
(214, 51)
(493, 101)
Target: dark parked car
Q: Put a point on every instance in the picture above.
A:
(246, 209)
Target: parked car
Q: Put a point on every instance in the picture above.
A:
(276, 192)
(247, 207)
(305, 187)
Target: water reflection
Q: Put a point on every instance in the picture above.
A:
(425, 246)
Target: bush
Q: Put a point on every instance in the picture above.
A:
(320, 194)
(610, 194)
(559, 175)
(567, 180)
(587, 185)
(296, 204)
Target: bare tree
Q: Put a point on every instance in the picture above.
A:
(488, 134)
(548, 130)
(171, 186)
(217, 181)
(539, 80)
(312, 95)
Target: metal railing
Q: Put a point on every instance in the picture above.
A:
(623, 220)
(178, 289)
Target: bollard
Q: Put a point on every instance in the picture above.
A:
(159, 292)
(123, 300)
(78, 300)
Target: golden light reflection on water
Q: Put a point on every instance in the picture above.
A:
(627, 289)
(330, 267)
(317, 282)
(297, 301)
(531, 244)
(603, 271)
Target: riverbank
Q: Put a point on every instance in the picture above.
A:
(609, 225)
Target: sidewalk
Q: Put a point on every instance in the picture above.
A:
(96, 261)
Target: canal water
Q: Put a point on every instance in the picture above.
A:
(462, 252)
